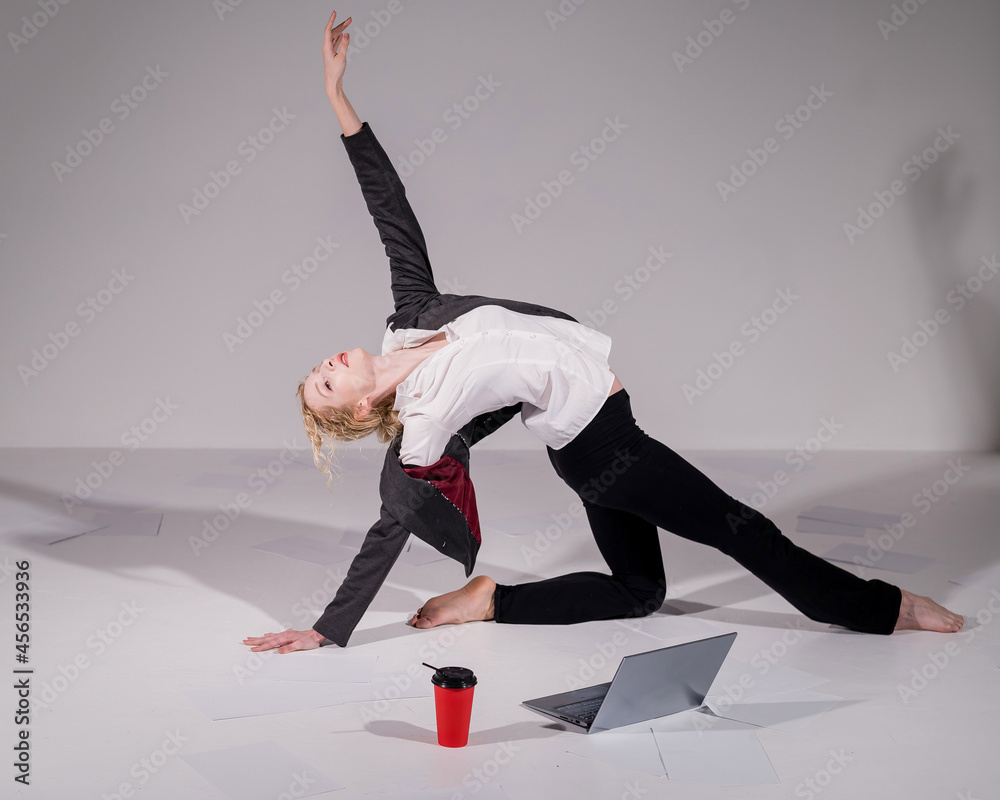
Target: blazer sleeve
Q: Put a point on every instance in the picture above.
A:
(485, 424)
(382, 546)
(412, 278)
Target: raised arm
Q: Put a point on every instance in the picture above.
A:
(412, 279)
(335, 42)
(349, 119)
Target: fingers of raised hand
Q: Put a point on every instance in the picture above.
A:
(326, 30)
(332, 34)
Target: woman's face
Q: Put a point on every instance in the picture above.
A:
(343, 379)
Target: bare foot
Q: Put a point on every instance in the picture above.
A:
(917, 613)
(474, 601)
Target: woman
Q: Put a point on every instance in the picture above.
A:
(453, 369)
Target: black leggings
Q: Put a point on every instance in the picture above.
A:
(630, 485)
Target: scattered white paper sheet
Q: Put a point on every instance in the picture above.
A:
(127, 523)
(324, 664)
(788, 711)
(576, 639)
(850, 516)
(260, 771)
(990, 649)
(633, 751)
(488, 791)
(804, 525)
(584, 639)
(353, 538)
(102, 500)
(574, 648)
(52, 528)
(622, 636)
(987, 579)
(739, 681)
(625, 636)
(305, 548)
(672, 628)
(213, 480)
(257, 698)
(735, 487)
(418, 552)
(716, 754)
(531, 524)
(889, 560)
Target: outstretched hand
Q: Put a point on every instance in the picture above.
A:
(335, 43)
(286, 641)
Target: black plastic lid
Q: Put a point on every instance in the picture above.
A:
(454, 678)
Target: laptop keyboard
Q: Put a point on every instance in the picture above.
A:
(585, 709)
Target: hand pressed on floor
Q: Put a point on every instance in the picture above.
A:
(286, 641)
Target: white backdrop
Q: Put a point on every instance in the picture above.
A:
(823, 176)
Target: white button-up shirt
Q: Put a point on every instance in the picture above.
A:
(558, 370)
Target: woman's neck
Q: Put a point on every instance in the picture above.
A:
(394, 368)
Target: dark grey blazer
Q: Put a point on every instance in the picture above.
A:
(412, 504)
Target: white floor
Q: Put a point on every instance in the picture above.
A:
(173, 620)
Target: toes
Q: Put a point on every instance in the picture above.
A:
(420, 620)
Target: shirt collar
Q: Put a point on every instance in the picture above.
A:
(405, 337)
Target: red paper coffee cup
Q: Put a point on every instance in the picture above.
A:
(453, 689)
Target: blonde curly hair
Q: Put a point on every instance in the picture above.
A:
(337, 423)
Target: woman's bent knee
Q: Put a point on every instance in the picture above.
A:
(648, 596)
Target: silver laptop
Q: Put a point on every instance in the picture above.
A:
(646, 686)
